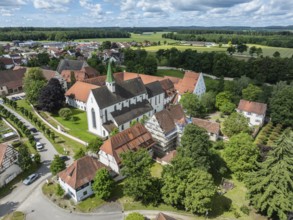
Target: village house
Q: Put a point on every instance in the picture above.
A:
(8, 164)
(77, 179)
(167, 128)
(254, 111)
(213, 128)
(11, 81)
(131, 139)
(78, 94)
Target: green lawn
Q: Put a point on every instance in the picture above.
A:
(15, 216)
(185, 47)
(269, 51)
(174, 73)
(89, 204)
(77, 128)
(61, 141)
(134, 37)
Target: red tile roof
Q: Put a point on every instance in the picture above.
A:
(132, 138)
(169, 156)
(188, 82)
(81, 171)
(162, 216)
(254, 107)
(211, 127)
(48, 74)
(80, 91)
(12, 79)
(177, 113)
(165, 121)
(3, 148)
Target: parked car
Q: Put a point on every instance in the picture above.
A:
(64, 157)
(39, 146)
(31, 178)
(33, 130)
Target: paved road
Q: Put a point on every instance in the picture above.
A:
(21, 192)
(38, 207)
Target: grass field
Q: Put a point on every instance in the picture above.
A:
(174, 73)
(61, 141)
(269, 51)
(15, 216)
(185, 47)
(135, 37)
(77, 128)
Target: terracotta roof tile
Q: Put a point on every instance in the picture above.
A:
(169, 156)
(211, 127)
(162, 216)
(254, 107)
(145, 78)
(177, 113)
(188, 82)
(81, 171)
(12, 78)
(3, 148)
(165, 121)
(80, 91)
(130, 139)
(48, 74)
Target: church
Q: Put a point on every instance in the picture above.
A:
(117, 103)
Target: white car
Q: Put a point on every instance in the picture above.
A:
(39, 146)
(31, 178)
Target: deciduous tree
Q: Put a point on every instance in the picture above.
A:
(251, 93)
(191, 103)
(103, 184)
(24, 158)
(57, 165)
(235, 124)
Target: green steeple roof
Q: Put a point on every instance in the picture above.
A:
(110, 77)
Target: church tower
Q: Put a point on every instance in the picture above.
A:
(110, 81)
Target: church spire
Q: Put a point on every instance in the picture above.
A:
(110, 81)
(110, 77)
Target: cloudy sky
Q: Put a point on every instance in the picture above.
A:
(130, 13)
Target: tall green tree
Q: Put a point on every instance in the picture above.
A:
(208, 101)
(57, 165)
(51, 96)
(251, 93)
(235, 124)
(103, 184)
(271, 184)
(24, 158)
(95, 144)
(191, 103)
(200, 191)
(79, 154)
(224, 102)
(150, 65)
(281, 105)
(240, 154)
(33, 82)
(195, 144)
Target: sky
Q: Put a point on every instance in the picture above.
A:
(145, 13)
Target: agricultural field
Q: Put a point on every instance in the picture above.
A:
(269, 51)
(134, 37)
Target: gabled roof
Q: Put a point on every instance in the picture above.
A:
(101, 80)
(211, 127)
(169, 157)
(177, 113)
(81, 171)
(154, 89)
(12, 78)
(71, 65)
(6, 61)
(162, 216)
(80, 91)
(132, 138)
(3, 149)
(254, 107)
(145, 78)
(123, 90)
(188, 82)
(48, 74)
(165, 121)
(79, 75)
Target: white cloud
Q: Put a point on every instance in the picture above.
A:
(95, 9)
(12, 2)
(52, 5)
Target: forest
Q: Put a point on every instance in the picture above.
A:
(59, 34)
(265, 38)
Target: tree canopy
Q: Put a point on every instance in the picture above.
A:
(224, 102)
(191, 103)
(235, 124)
(24, 158)
(33, 82)
(251, 93)
(135, 216)
(52, 97)
(103, 184)
(241, 154)
(271, 184)
(281, 105)
(57, 165)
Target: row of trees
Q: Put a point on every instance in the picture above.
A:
(262, 69)
(274, 39)
(60, 34)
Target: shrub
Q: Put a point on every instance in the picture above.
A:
(245, 209)
(59, 190)
(65, 113)
(135, 216)
(236, 214)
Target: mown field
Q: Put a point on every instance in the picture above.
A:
(156, 37)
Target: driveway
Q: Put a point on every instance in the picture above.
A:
(38, 207)
(21, 192)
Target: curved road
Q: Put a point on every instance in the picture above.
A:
(21, 192)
